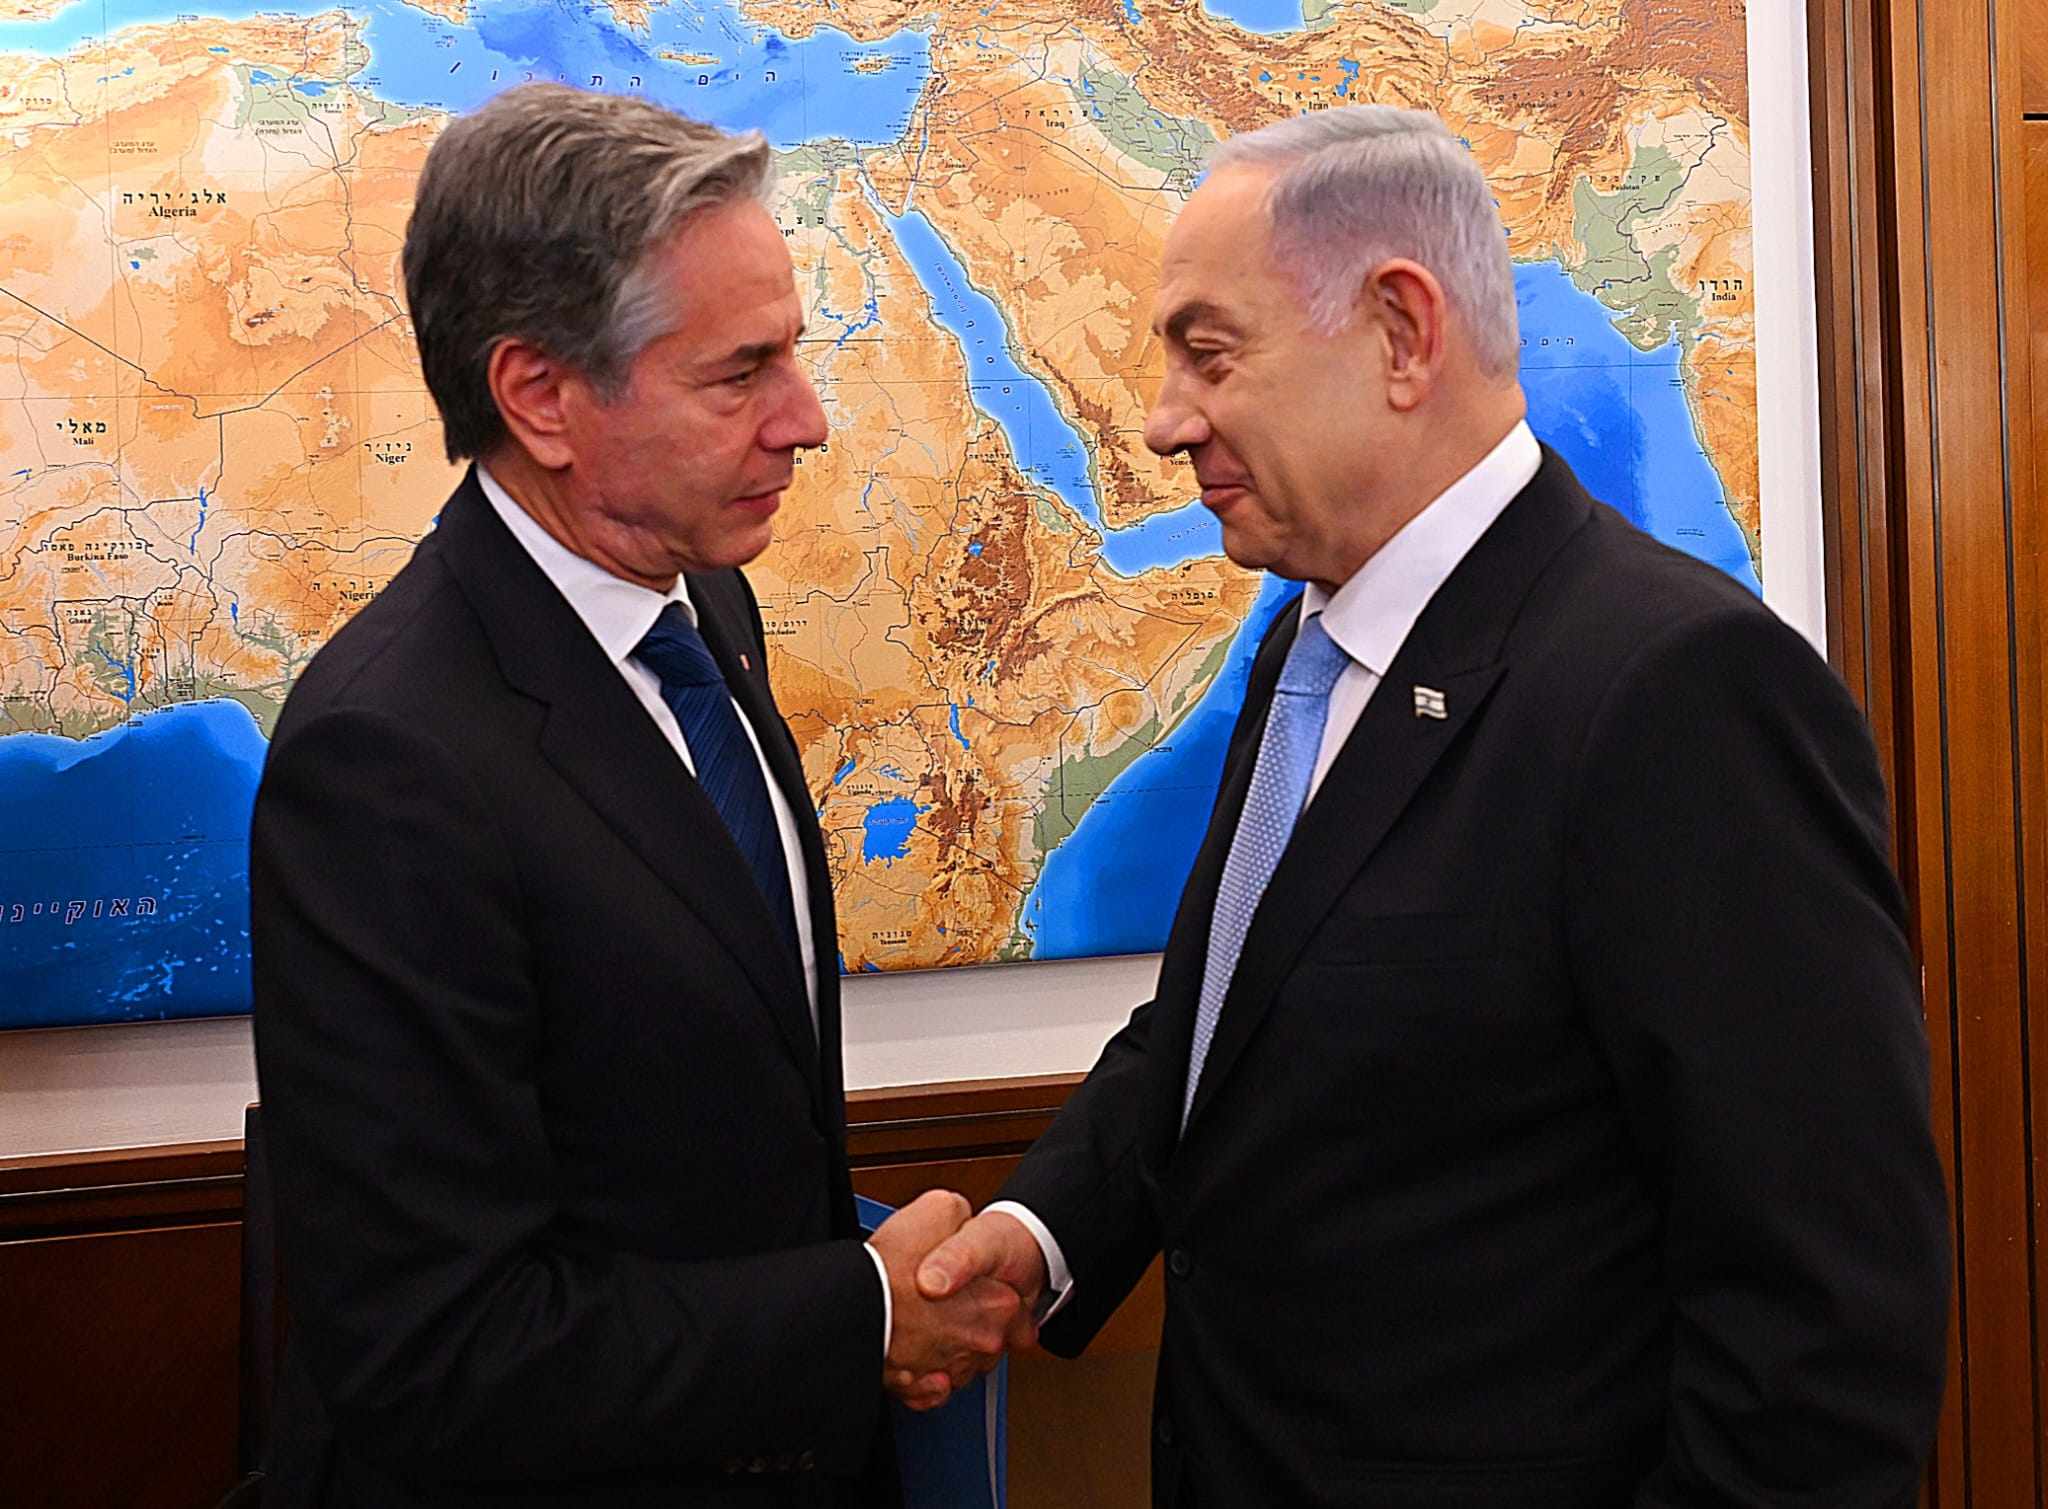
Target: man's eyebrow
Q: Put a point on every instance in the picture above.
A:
(756, 351)
(1198, 312)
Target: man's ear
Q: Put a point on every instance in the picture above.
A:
(534, 393)
(1408, 304)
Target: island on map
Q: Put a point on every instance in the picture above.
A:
(1004, 632)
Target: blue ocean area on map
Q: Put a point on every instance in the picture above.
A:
(1043, 443)
(1112, 887)
(125, 882)
(157, 809)
(1270, 17)
(791, 91)
(1617, 414)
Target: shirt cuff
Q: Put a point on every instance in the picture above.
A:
(888, 1305)
(1059, 1282)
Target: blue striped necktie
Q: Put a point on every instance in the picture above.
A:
(1279, 790)
(728, 770)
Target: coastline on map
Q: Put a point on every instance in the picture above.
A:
(1268, 18)
(1112, 887)
(825, 86)
(1617, 414)
(83, 21)
(1620, 415)
(126, 876)
(1043, 442)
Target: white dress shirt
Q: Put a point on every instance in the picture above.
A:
(1369, 618)
(618, 614)
(1370, 615)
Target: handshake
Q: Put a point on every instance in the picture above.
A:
(962, 1292)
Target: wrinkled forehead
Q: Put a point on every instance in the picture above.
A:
(1225, 220)
(737, 241)
(1217, 254)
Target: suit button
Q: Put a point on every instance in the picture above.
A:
(1164, 1431)
(1179, 1264)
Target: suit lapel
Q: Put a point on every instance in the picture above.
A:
(1383, 763)
(1457, 649)
(601, 741)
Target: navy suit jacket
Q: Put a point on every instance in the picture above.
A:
(560, 1163)
(1564, 1139)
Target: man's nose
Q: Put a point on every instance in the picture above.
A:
(1174, 425)
(799, 421)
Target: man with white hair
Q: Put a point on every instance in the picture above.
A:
(547, 1017)
(1533, 1110)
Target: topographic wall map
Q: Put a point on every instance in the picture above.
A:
(1007, 640)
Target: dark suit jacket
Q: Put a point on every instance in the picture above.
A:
(1564, 1139)
(562, 1185)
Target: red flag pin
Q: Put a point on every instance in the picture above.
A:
(745, 664)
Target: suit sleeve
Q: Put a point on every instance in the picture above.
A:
(1091, 1178)
(456, 1326)
(1087, 1180)
(1737, 935)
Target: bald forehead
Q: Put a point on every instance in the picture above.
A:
(1226, 215)
(1215, 267)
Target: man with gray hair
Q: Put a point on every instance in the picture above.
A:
(1533, 1110)
(546, 991)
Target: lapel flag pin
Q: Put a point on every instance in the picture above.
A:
(745, 664)
(1429, 703)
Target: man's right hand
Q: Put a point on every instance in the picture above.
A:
(994, 1245)
(938, 1344)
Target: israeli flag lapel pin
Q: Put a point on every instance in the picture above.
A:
(1429, 703)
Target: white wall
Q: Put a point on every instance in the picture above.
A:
(1787, 360)
(158, 1082)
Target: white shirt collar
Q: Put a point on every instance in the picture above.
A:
(617, 612)
(1371, 614)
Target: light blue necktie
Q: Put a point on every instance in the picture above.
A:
(1279, 790)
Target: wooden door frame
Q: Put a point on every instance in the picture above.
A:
(1934, 572)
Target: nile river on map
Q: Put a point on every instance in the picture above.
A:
(124, 866)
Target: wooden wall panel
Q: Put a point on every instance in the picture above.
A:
(118, 1386)
(2030, 580)
(120, 1314)
(1926, 226)
(1850, 267)
(1965, 532)
(1876, 174)
(1081, 1431)
(2030, 22)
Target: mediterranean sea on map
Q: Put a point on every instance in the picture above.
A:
(790, 91)
(123, 854)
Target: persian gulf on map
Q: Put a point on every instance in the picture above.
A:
(1005, 634)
